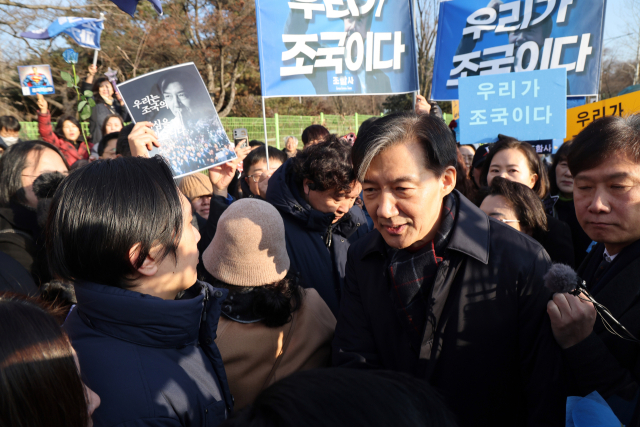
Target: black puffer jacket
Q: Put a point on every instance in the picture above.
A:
(317, 248)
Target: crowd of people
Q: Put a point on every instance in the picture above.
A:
(392, 277)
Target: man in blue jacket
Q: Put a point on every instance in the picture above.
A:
(315, 194)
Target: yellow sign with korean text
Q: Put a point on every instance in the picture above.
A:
(579, 118)
(455, 109)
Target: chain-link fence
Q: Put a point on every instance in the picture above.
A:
(278, 127)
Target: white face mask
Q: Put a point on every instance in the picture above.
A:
(10, 140)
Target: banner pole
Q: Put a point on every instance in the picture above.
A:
(266, 141)
(95, 52)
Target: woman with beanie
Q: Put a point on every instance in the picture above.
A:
(270, 326)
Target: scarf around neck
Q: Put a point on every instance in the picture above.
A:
(412, 276)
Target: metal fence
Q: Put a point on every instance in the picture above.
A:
(278, 127)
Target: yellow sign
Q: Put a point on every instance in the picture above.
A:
(455, 109)
(579, 118)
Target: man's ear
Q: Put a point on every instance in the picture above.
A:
(448, 180)
(149, 266)
(305, 186)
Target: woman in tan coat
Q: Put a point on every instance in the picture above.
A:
(271, 327)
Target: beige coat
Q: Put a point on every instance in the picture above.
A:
(256, 356)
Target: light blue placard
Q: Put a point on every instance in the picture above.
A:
(529, 106)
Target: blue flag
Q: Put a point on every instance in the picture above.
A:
(129, 6)
(84, 31)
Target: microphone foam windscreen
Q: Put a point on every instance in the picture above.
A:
(561, 278)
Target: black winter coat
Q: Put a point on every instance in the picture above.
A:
(21, 238)
(153, 362)
(603, 361)
(317, 248)
(495, 360)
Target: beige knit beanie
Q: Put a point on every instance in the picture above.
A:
(248, 248)
(196, 185)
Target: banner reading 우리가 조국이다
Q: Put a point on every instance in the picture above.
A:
(483, 37)
(344, 47)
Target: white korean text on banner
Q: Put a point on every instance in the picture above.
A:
(527, 106)
(485, 37)
(336, 47)
(189, 130)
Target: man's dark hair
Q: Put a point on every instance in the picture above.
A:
(366, 125)
(341, 397)
(561, 156)
(314, 133)
(40, 382)
(603, 139)
(256, 143)
(524, 201)
(9, 123)
(432, 133)
(106, 119)
(105, 140)
(12, 164)
(60, 133)
(326, 164)
(97, 216)
(541, 187)
(260, 154)
(122, 146)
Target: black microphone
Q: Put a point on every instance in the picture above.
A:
(563, 279)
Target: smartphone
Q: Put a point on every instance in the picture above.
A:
(240, 136)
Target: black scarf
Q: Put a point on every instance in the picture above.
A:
(412, 275)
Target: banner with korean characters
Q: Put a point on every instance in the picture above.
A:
(579, 118)
(528, 106)
(336, 47)
(484, 37)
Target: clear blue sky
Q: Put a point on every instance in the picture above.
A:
(615, 29)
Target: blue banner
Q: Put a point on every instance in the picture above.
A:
(84, 31)
(482, 37)
(336, 47)
(528, 106)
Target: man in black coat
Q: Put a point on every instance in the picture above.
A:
(441, 291)
(605, 163)
(315, 194)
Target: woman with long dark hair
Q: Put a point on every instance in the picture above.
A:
(517, 161)
(270, 327)
(20, 233)
(516, 205)
(562, 190)
(40, 381)
(143, 326)
(67, 135)
(107, 105)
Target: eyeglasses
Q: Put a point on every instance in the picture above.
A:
(506, 221)
(255, 177)
(65, 173)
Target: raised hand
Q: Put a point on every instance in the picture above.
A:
(142, 139)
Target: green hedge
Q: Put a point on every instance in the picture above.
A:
(278, 127)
